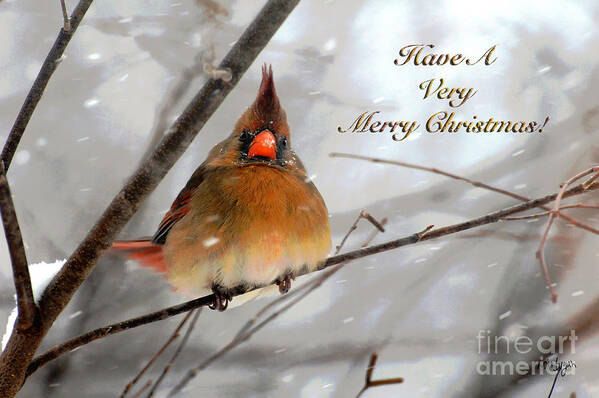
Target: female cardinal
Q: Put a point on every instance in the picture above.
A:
(248, 217)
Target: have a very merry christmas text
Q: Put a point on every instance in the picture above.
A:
(443, 121)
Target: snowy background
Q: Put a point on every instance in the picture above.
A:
(421, 307)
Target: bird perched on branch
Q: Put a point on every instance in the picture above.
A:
(248, 217)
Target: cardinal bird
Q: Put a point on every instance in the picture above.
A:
(248, 217)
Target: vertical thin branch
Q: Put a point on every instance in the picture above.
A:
(141, 391)
(50, 64)
(168, 366)
(65, 16)
(554, 212)
(20, 268)
(172, 338)
(363, 214)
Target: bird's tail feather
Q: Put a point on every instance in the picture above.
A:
(146, 253)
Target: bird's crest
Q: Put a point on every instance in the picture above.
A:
(267, 102)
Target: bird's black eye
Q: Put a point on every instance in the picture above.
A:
(283, 142)
(244, 135)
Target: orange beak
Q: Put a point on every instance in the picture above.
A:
(264, 144)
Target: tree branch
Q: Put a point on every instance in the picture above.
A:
(435, 233)
(178, 351)
(368, 251)
(20, 268)
(65, 16)
(368, 383)
(174, 336)
(19, 351)
(546, 213)
(475, 183)
(99, 333)
(50, 64)
(552, 214)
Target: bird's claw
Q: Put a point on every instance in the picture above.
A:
(221, 300)
(285, 284)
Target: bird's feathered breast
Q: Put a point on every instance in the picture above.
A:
(252, 223)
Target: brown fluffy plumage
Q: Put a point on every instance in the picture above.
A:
(249, 215)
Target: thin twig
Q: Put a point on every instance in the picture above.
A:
(247, 332)
(588, 182)
(211, 70)
(54, 57)
(170, 363)
(14, 361)
(178, 91)
(430, 170)
(373, 234)
(475, 183)
(493, 217)
(375, 383)
(539, 215)
(554, 212)
(172, 338)
(20, 268)
(180, 88)
(141, 391)
(363, 214)
(65, 16)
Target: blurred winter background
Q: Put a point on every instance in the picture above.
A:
(421, 307)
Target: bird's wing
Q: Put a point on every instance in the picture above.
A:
(180, 206)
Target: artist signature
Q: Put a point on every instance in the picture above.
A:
(561, 368)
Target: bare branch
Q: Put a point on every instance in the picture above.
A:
(173, 337)
(451, 229)
(65, 16)
(553, 213)
(546, 213)
(20, 268)
(365, 215)
(116, 328)
(427, 234)
(430, 170)
(178, 91)
(168, 366)
(374, 383)
(141, 390)
(475, 183)
(50, 64)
